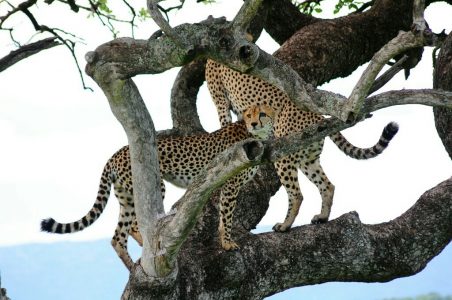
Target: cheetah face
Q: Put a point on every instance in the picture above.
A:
(259, 120)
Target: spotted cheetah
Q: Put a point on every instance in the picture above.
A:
(232, 90)
(181, 159)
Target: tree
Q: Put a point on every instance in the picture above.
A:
(176, 264)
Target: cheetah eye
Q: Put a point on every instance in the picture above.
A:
(248, 116)
(262, 115)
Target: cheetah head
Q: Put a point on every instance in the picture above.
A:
(259, 120)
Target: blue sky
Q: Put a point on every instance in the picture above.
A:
(67, 270)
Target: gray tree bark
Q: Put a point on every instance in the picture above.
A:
(442, 79)
(190, 264)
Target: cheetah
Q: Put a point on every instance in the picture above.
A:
(232, 90)
(181, 159)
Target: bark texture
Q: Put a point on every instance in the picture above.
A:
(184, 93)
(343, 249)
(442, 79)
(335, 48)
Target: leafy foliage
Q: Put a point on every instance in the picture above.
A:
(314, 6)
(309, 6)
(352, 5)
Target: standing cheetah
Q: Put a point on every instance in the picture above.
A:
(181, 159)
(232, 90)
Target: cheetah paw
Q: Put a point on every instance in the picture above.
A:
(281, 227)
(229, 245)
(319, 219)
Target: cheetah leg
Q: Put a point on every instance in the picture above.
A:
(288, 175)
(313, 170)
(134, 232)
(126, 218)
(119, 240)
(218, 92)
(228, 197)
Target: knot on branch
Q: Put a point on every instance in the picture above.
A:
(245, 52)
(253, 150)
(91, 57)
(212, 21)
(350, 218)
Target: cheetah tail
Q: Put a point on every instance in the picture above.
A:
(388, 133)
(50, 225)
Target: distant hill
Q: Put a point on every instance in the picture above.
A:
(431, 296)
(91, 270)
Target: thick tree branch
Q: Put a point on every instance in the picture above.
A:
(132, 57)
(184, 94)
(282, 19)
(442, 79)
(343, 249)
(128, 107)
(248, 58)
(246, 14)
(286, 145)
(113, 64)
(349, 251)
(327, 49)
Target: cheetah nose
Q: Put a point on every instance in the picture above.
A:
(254, 124)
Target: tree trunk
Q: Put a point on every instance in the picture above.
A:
(442, 79)
(343, 249)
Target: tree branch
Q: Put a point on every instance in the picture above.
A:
(328, 49)
(26, 51)
(128, 107)
(184, 94)
(284, 19)
(163, 24)
(350, 250)
(442, 79)
(246, 14)
(112, 65)
(343, 249)
(401, 43)
(290, 144)
(388, 75)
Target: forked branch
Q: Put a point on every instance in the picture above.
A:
(419, 36)
(113, 64)
(246, 14)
